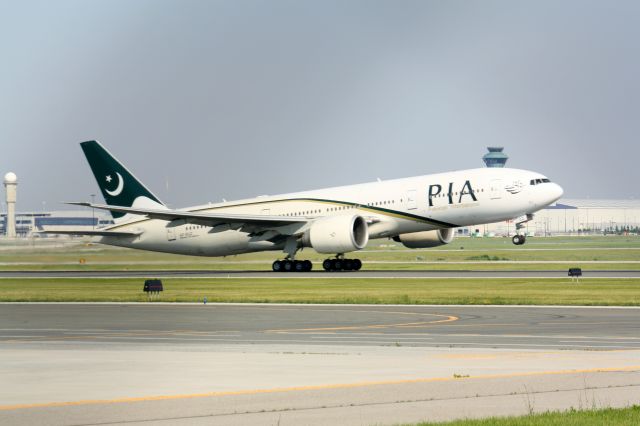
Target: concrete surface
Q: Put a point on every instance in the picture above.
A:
(69, 364)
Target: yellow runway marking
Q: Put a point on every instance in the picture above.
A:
(446, 318)
(314, 387)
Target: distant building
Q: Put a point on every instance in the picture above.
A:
(28, 223)
(574, 217)
(495, 157)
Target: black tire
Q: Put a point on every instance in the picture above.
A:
(298, 266)
(357, 264)
(347, 264)
(276, 266)
(336, 265)
(516, 240)
(523, 240)
(308, 266)
(327, 264)
(287, 266)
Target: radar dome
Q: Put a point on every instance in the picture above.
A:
(10, 178)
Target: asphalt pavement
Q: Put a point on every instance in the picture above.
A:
(161, 273)
(236, 364)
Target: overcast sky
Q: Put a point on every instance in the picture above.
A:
(237, 98)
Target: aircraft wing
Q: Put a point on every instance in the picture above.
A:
(209, 219)
(94, 233)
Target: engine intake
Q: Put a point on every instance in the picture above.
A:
(337, 234)
(426, 239)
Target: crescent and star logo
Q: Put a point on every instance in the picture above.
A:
(118, 189)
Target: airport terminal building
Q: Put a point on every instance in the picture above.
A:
(573, 217)
(28, 224)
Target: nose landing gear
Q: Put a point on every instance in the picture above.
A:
(519, 239)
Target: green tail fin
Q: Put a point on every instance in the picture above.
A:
(118, 186)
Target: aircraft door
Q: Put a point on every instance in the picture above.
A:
(412, 203)
(172, 229)
(496, 189)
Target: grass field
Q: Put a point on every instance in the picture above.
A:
(550, 253)
(555, 253)
(609, 416)
(325, 290)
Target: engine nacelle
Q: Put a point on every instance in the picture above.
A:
(426, 239)
(337, 234)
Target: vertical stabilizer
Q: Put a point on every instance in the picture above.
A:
(118, 186)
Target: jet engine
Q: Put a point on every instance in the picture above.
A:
(337, 234)
(426, 239)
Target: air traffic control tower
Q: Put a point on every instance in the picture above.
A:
(495, 157)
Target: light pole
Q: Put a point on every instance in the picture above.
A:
(93, 212)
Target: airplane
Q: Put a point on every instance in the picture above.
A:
(419, 212)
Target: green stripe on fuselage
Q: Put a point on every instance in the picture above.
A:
(374, 209)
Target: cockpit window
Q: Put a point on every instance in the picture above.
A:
(538, 181)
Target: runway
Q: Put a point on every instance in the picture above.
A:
(441, 326)
(236, 364)
(160, 273)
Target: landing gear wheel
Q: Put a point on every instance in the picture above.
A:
(307, 265)
(327, 265)
(341, 264)
(287, 266)
(277, 266)
(347, 265)
(298, 266)
(518, 239)
(357, 264)
(336, 264)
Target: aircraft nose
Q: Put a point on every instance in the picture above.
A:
(556, 192)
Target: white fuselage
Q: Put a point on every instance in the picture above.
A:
(393, 207)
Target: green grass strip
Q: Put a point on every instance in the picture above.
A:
(516, 291)
(608, 416)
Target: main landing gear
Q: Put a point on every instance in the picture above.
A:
(341, 264)
(329, 265)
(292, 265)
(289, 264)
